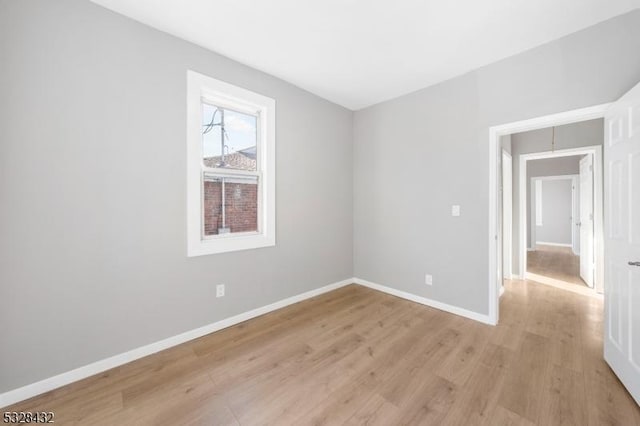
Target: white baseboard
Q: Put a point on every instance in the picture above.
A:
(545, 243)
(501, 290)
(46, 385)
(424, 301)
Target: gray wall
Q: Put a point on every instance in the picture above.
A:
(556, 212)
(93, 212)
(586, 133)
(403, 226)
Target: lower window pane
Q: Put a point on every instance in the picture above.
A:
(230, 205)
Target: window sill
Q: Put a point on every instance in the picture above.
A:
(228, 244)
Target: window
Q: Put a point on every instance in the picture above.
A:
(230, 167)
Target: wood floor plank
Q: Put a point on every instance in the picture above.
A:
(460, 365)
(377, 411)
(563, 398)
(481, 392)
(429, 404)
(567, 346)
(248, 399)
(188, 404)
(342, 404)
(419, 361)
(523, 389)
(543, 318)
(504, 417)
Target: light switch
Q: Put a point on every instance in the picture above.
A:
(455, 210)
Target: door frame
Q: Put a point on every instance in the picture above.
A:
(507, 240)
(595, 184)
(495, 152)
(598, 207)
(575, 209)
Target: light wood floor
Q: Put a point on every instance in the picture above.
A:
(555, 262)
(356, 356)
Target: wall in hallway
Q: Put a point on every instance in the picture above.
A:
(556, 221)
(561, 166)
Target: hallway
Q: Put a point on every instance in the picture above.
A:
(557, 267)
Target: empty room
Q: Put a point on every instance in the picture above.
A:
(340, 212)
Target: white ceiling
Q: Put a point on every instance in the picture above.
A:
(360, 52)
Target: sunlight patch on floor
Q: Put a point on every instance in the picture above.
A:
(586, 291)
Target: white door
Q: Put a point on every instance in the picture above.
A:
(622, 240)
(575, 215)
(499, 228)
(587, 258)
(507, 205)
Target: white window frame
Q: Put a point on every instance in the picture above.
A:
(201, 88)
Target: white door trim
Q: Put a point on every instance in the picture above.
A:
(559, 177)
(507, 210)
(588, 268)
(495, 151)
(575, 212)
(596, 152)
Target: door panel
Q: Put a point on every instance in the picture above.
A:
(617, 281)
(634, 319)
(634, 198)
(617, 197)
(616, 126)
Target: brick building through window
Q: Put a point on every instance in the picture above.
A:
(237, 210)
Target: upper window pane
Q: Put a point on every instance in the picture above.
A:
(229, 138)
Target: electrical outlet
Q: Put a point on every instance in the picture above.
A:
(455, 210)
(428, 279)
(220, 290)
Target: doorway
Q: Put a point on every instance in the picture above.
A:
(621, 330)
(495, 196)
(560, 220)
